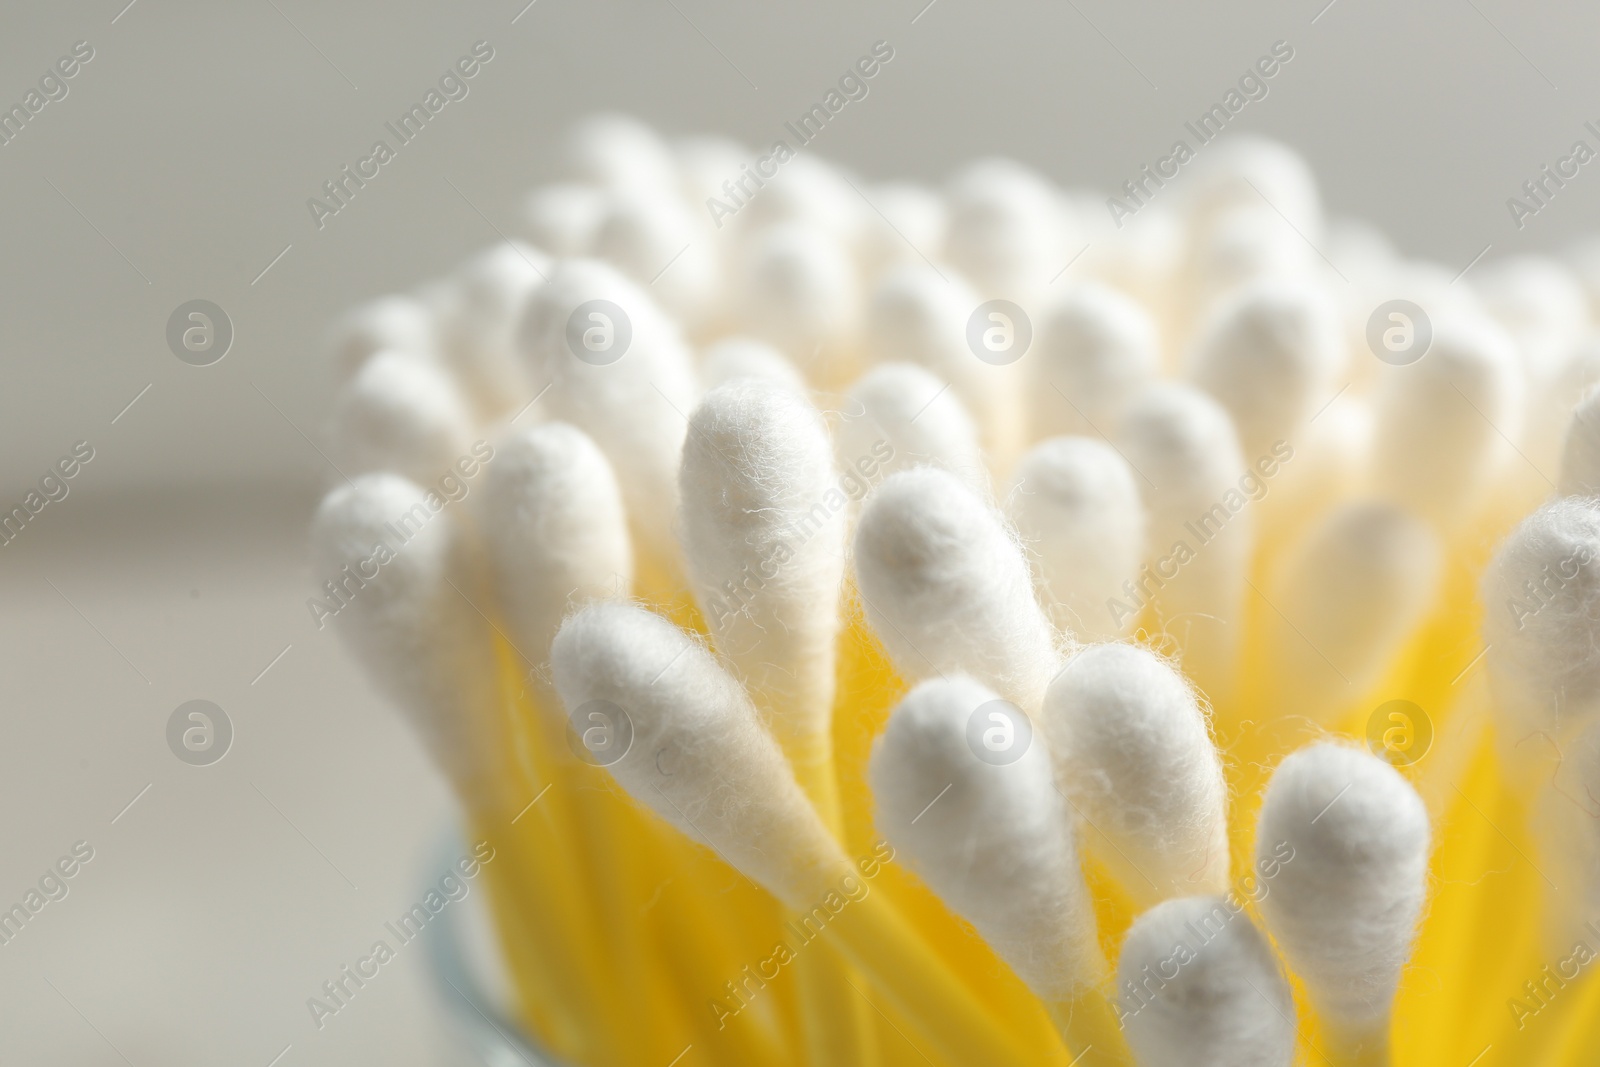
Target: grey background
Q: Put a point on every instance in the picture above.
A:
(178, 167)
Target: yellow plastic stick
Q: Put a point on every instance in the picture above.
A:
(1089, 1027)
(890, 956)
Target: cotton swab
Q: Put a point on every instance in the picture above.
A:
(401, 412)
(902, 417)
(563, 218)
(555, 530)
(651, 235)
(485, 303)
(419, 637)
(1348, 893)
(1252, 170)
(617, 369)
(1271, 355)
(946, 588)
(1135, 758)
(396, 322)
(1007, 229)
(1183, 446)
(1201, 987)
(1096, 350)
(763, 532)
(918, 314)
(1441, 423)
(703, 163)
(1580, 456)
(1344, 602)
(745, 357)
(1077, 508)
(797, 288)
(1541, 595)
(620, 152)
(406, 575)
(908, 222)
(807, 192)
(993, 840)
(1246, 243)
(702, 762)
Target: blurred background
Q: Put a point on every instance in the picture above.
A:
(177, 167)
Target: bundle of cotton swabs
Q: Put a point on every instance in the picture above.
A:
(889, 625)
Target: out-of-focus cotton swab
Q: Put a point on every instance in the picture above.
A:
(1183, 446)
(1345, 601)
(1271, 355)
(389, 323)
(904, 417)
(1097, 349)
(1077, 508)
(401, 412)
(1442, 422)
(555, 529)
(407, 578)
(605, 359)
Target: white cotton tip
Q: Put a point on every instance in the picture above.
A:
(763, 532)
(1141, 258)
(1541, 597)
(401, 412)
(651, 236)
(564, 217)
(733, 358)
(806, 191)
(1076, 506)
(1199, 986)
(1249, 170)
(797, 288)
(634, 405)
(555, 529)
(697, 754)
(909, 223)
(1097, 348)
(1006, 229)
(1346, 840)
(618, 151)
(1246, 243)
(1134, 754)
(1346, 599)
(704, 163)
(1325, 467)
(1541, 304)
(992, 839)
(387, 559)
(1272, 355)
(1583, 259)
(1580, 457)
(485, 302)
(1441, 423)
(946, 587)
(389, 323)
(898, 417)
(917, 315)
(1198, 501)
